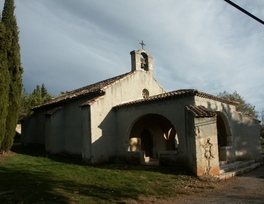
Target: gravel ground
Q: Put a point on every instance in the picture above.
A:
(246, 188)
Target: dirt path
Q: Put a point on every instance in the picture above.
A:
(243, 189)
(246, 188)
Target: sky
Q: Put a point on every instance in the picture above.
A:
(206, 45)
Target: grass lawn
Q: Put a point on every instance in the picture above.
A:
(32, 176)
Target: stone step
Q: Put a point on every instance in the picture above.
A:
(222, 162)
(235, 165)
(241, 170)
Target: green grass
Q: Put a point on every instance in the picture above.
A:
(32, 176)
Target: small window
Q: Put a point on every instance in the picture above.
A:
(145, 93)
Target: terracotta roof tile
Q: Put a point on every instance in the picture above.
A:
(93, 88)
(91, 101)
(175, 94)
(200, 111)
(172, 94)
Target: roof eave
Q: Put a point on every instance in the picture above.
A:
(66, 99)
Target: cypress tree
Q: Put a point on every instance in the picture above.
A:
(4, 83)
(15, 72)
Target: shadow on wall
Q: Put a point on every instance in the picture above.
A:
(153, 133)
(243, 133)
(247, 138)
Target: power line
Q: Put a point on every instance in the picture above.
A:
(244, 11)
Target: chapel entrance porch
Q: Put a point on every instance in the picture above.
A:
(152, 138)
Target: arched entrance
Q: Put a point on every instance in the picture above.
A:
(146, 143)
(152, 134)
(221, 131)
(225, 147)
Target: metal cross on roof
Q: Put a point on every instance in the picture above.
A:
(142, 44)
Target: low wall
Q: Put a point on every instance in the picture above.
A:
(168, 158)
(227, 154)
(135, 157)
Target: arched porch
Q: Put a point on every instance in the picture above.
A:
(224, 136)
(153, 136)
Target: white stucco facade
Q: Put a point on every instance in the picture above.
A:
(132, 117)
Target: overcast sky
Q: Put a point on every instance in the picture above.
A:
(207, 45)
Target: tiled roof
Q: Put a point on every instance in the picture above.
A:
(216, 98)
(200, 111)
(177, 94)
(93, 88)
(172, 94)
(91, 101)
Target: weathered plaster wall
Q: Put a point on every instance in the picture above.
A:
(244, 131)
(33, 129)
(55, 132)
(66, 128)
(59, 132)
(206, 146)
(191, 162)
(246, 138)
(86, 134)
(103, 123)
(29, 128)
(173, 110)
(73, 126)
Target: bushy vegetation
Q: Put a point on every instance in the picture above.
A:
(243, 107)
(38, 96)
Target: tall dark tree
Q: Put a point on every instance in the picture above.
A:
(15, 72)
(4, 83)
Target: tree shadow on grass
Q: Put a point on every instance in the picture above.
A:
(43, 185)
(39, 151)
(21, 186)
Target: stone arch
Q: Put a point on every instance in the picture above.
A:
(224, 136)
(155, 131)
(223, 130)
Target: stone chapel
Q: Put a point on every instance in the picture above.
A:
(131, 116)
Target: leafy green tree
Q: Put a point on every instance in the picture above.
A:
(38, 96)
(4, 83)
(243, 107)
(15, 72)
